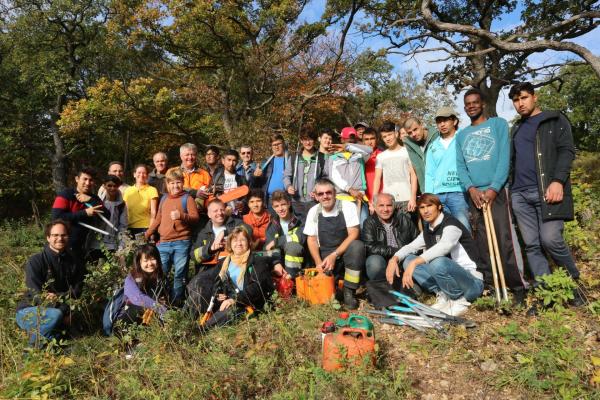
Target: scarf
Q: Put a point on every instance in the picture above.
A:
(258, 223)
(239, 260)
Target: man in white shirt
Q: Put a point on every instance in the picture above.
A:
(332, 231)
(393, 164)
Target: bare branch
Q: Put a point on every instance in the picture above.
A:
(496, 42)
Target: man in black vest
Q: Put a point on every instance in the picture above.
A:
(332, 231)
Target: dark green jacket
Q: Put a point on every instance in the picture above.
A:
(554, 154)
(417, 156)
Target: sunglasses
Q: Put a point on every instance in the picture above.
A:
(327, 193)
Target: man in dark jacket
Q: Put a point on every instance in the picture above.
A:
(541, 158)
(80, 206)
(284, 234)
(52, 278)
(156, 178)
(210, 244)
(384, 233)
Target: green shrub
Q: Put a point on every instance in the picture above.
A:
(555, 289)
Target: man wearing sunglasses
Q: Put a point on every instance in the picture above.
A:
(246, 166)
(332, 231)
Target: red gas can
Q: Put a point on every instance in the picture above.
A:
(348, 346)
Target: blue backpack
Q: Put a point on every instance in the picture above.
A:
(111, 311)
(183, 201)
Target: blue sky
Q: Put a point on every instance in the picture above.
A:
(420, 64)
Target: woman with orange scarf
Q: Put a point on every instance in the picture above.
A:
(244, 281)
(258, 218)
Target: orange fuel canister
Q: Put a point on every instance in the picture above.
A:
(348, 346)
(315, 287)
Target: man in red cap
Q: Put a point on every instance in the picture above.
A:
(346, 169)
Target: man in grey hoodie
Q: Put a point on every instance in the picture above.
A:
(301, 173)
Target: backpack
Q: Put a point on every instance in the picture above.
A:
(183, 201)
(111, 311)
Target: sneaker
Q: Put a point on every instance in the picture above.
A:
(350, 299)
(456, 307)
(441, 301)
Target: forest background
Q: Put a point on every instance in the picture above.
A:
(91, 81)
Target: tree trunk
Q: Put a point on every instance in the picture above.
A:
(59, 168)
(491, 94)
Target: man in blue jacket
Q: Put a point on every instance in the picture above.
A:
(483, 157)
(542, 154)
(268, 175)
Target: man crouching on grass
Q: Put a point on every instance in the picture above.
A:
(332, 230)
(52, 277)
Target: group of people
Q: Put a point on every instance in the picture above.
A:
(401, 204)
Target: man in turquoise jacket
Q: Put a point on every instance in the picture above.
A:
(441, 175)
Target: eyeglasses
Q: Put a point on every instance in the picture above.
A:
(322, 194)
(58, 235)
(245, 152)
(276, 144)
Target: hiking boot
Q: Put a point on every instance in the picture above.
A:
(519, 297)
(350, 299)
(456, 307)
(533, 310)
(578, 300)
(441, 301)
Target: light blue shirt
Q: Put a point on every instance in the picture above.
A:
(234, 272)
(483, 155)
(441, 175)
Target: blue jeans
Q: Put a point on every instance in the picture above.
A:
(375, 267)
(455, 204)
(42, 321)
(176, 253)
(444, 274)
(540, 236)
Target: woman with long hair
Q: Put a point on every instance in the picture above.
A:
(145, 288)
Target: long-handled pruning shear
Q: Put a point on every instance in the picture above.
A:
(411, 304)
(104, 218)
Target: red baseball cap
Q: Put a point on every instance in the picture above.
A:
(347, 132)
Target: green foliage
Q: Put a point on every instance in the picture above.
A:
(512, 331)
(583, 234)
(44, 377)
(594, 307)
(575, 95)
(485, 303)
(552, 362)
(555, 289)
